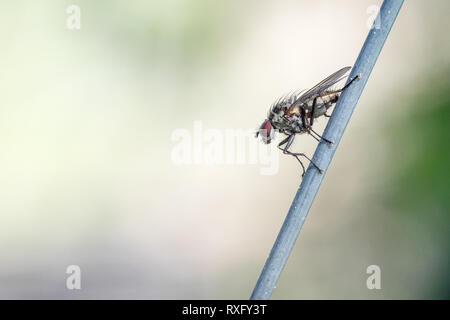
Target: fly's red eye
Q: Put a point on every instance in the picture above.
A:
(266, 131)
(265, 128)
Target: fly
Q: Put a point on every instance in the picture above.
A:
(295, 113)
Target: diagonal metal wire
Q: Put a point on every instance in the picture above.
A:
(324, 152)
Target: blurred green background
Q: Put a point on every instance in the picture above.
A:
(85, 164)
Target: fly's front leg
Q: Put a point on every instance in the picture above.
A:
(288, 141)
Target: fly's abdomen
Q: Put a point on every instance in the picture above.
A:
(321, 102)
(325, 102)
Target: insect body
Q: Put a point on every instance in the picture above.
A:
(295, 113)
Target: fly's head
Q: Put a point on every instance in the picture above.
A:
(267, 131)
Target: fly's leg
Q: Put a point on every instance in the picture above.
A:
(309, 132)
(340, 90)
(325, 139)
(351, 81)
(318, 135)
(288, 141)
(303, 117)
(311, 122)
(313, 110)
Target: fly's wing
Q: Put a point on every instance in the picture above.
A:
(323, 85)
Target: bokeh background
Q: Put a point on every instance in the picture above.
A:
(86, 176)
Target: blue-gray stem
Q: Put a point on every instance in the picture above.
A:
(324, 152)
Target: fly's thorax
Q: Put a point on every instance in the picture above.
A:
(293, 110)
(277, 113)
(287, 123)
(280, 106)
